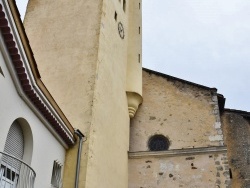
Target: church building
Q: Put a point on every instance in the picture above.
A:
(79, 111)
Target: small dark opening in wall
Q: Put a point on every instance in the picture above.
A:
(230, 173)
(248, 157)
(1, 71)
(124, 5)
(139, 30)
(139, 58)
(115, 16)
(190, 158)
(158, 143)
(139, 5)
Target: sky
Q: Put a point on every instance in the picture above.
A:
(202, 41)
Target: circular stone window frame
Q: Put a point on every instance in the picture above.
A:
(159, 136)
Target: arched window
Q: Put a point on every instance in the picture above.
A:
(158, 143)
(14, 144)
(10, 166)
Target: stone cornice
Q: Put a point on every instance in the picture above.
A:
(178, 152)
(134, 100)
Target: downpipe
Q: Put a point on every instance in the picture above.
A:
(80, 136)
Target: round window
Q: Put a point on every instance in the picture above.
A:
(158, 143)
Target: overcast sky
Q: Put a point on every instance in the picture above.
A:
(202, 41)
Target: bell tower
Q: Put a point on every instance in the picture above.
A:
(134, 63)
(88, 53)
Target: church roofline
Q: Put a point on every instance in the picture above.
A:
(221, 102)
(22, 59)
(179, 79)
(221, 98)
(240, 112)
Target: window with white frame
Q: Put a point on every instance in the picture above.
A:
(56, 179)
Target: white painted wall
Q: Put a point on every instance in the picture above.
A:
(46, 147)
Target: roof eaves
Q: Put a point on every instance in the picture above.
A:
(240, 112)
(21, 72)
(168, 77)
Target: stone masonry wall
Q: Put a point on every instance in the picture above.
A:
(236, 131)
(195, 171)
(188, 115)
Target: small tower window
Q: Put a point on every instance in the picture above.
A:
(139, 5)
(124, 5)
(139, 30)
(230, 173)
(139, 58)
(115, 16)
(158, 143)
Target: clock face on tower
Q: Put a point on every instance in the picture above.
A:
(121, 30)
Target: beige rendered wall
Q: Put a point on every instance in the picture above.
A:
(64, 37)
(134, 71)
(82, 61)
(134, 63)
(109, 133)
(184, 113)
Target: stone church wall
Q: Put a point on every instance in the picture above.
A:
(188, 115)
(236, 130)
(193, 171)
(184, 113)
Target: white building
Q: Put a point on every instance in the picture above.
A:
(34, 133)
